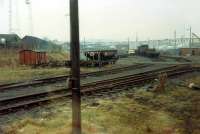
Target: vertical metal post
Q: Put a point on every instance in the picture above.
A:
(66, 17)
(128, 42)
(84, 45)
(10, 16)
(17, 17)
(190, 44)
(75, 67)
(136, 39)
(175, 46)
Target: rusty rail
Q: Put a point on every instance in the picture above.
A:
(51, 80)
(13, 104)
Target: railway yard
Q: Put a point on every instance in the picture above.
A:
(99, 67)
(120, 95)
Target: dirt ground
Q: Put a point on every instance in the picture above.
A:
(175, 110)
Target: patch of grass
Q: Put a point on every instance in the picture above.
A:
(195, 80)
(25, 73)
(8, 75)
(9, 58)
(61, 56)
(179, 102)
(123, 116)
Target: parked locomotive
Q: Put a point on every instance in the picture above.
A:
(145, 51)
(102, 57)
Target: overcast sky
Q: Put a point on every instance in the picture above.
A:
(106, 19)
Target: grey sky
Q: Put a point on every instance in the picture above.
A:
(108, 19)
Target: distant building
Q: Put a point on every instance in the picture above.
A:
(190, 51)
(193, 49)
(34, 43)
(9, 40)
(195, 43)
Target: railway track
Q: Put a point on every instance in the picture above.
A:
(51, 80)
(26, 101)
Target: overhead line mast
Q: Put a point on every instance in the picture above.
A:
(29, 4)
(17, 17)
(190, 43)
(10, 16)
(11, 21)
(175, 40)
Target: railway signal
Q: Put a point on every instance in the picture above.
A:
(75, 67)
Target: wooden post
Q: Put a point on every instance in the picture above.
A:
(75, 67)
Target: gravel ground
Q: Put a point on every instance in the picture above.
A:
(137, 59)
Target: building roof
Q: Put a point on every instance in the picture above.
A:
(39, 44)
(10, 37)
(30, 40)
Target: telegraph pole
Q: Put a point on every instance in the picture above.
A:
(75, 67)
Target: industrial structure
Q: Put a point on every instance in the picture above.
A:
(190, 51)
(9, 40)
(14, 5)
(28, 43)
(29, 5)
(194, 47)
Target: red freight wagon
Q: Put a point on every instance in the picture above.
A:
(43, 57)
(39, 57)
(29, 57)
(26, 57)
(33, 58)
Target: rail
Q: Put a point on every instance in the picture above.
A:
(16, 103)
